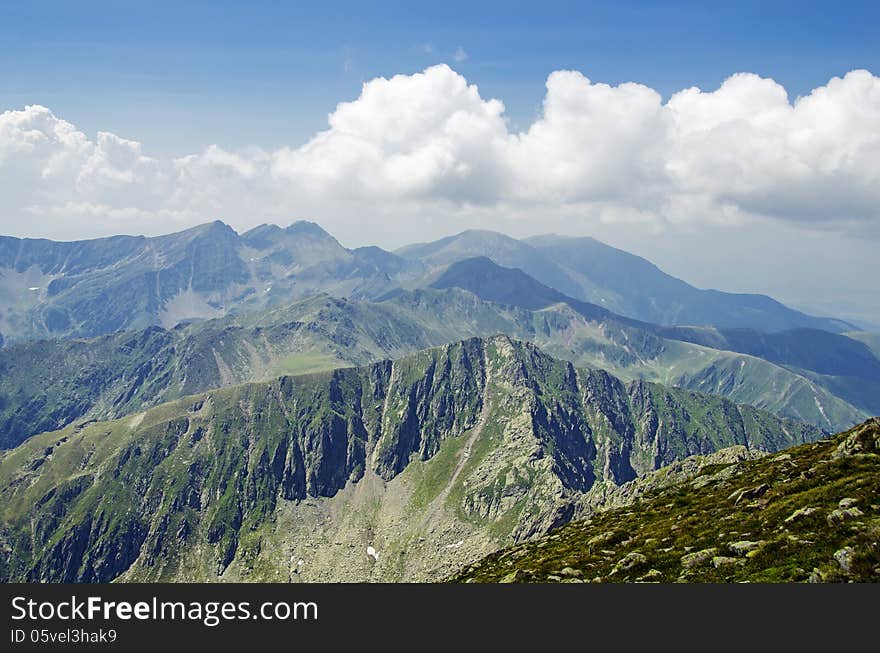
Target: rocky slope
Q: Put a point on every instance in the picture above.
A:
(811, 513)
(399, 470)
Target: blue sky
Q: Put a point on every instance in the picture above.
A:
(181, 75)
(737, 187)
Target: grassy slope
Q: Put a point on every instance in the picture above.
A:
(48, 384)
(810, 513)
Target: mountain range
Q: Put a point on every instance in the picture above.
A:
(94, 287)
(825, 379)
(820, 377)
(594, 272)
(271, 405)
(48, 384)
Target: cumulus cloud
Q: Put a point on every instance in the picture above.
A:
(815, 159)
(426, 135)
(593, 143)
(412, 149)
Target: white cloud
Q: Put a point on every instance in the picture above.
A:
(593, 143)
(426, 135)
(815, 159)
(427, 151)
(460, 55)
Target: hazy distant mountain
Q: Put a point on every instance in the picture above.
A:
(586, 269)
(94, 287)
(90, 288)
(501, 249)
(872, 340)
(433, 460)
(507, 285)
(812, 349)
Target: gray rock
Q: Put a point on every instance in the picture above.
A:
(652, 575)
(630, 560)
(844, 558)
(847, 502)
(698, 558)
(743, 547)
(844, 514)
(601, 538)
(723, 475)
(800, 513)
(512, 577)
(721, 561)
(749, 493)
(865, 440)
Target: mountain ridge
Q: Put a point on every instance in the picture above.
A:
(498, 437)
(818, 353)
(589, 270)
(93, 287)
(46, 385)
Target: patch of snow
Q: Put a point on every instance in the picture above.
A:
(34, 288)
(821, 408)
(371, 552)
(456, 545)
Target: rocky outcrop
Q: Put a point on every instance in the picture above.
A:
(864, 439)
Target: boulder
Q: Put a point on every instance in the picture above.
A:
(698, 558)
(742, 547)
